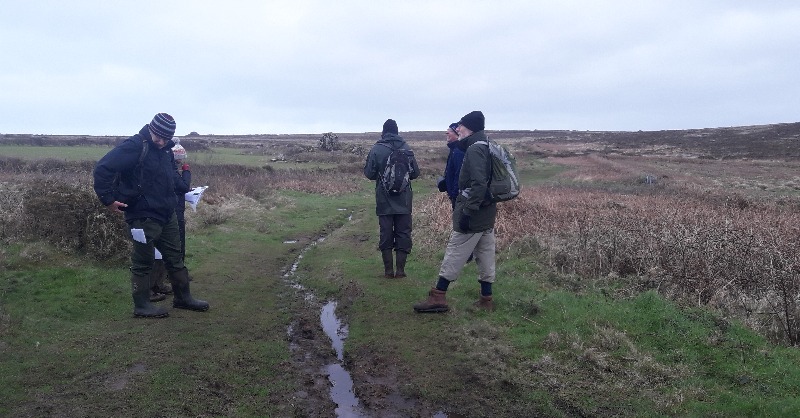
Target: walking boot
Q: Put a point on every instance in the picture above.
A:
(435, 303)
(159, 278)
(388, 268)
(401, 264)
(142, 308)
(182, 298)
(157, 297)
(485, 303)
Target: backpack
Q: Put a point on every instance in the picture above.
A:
(503, 181)
(139, 167)
(395, 178)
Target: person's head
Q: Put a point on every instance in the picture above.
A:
(471, 122)
(452, 134)
(162, 129)
(390, 126)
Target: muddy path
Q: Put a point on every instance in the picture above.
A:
(336, 382)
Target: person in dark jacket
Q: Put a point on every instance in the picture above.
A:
(160, 287)
(182, 186)
(394, 211)
(137, 178)
(453, 167)
(473, 221)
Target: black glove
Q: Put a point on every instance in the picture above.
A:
(441, 184)
(463, 222)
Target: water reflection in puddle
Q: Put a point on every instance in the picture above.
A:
(341, 382)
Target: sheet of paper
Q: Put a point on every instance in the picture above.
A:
(158, 254)
(194, 196)
(138, 235)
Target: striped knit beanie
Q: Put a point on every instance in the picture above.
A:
(163, 125)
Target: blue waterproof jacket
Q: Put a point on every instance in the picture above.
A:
(453, 169)
(149, 189)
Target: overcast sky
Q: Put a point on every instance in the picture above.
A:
(249, 67)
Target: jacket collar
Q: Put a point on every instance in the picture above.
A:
(464, 143)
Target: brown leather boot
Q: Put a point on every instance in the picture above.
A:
(485, 303)
(435, 303)
(388, 266)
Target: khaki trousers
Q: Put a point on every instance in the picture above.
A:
(460, 246)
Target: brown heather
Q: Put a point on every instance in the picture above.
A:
(738, 257)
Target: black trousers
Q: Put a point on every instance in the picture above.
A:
(395, 232)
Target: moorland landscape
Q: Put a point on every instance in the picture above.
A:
(650, 273)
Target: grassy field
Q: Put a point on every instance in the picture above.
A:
(579, 331)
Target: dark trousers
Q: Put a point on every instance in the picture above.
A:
(180, 214)
(165, 237)
(395, 232)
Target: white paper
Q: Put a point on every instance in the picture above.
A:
(194, 196)
(138, 235)
(158, 254)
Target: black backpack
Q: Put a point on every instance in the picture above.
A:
(395, 179)
(139, 168)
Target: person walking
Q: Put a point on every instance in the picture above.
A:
(137, 178)
(473, 221)
(453, 167)
(393, 206)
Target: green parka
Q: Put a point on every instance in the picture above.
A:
(373, 169)
(473, 183)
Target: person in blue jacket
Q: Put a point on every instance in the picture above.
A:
(454, 160)
(137, 178)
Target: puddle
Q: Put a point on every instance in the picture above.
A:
(341, 390)
(290, 241)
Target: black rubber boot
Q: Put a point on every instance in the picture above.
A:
(401, 264)
(182, 298)
(388, 267)
(142, 308)
(158, 280)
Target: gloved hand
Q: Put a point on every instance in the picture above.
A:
(185, 167)
(463, 222)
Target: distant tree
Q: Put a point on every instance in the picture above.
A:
(329, 142)
(193, 133)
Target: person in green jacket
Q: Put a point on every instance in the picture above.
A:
(393, 209)
(473, 220)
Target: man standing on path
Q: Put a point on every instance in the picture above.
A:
(453, 167)
(392, 205)
(138, 178)
(473, 221)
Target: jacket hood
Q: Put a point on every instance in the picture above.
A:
(392, 139)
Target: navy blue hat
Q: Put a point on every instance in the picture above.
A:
(163, 125)
(474, 121)
(453, 126)
(390, 126)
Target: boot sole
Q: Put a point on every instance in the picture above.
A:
(189, 308)
(432, 310)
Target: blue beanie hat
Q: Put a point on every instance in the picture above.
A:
(453, 126)
(163, 125)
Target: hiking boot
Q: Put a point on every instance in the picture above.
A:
(401, 264)
(158, 278)
(435, 303)
(142, 308)
(485, 303)
(388, 268)
(157, 297)
(182, 298)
